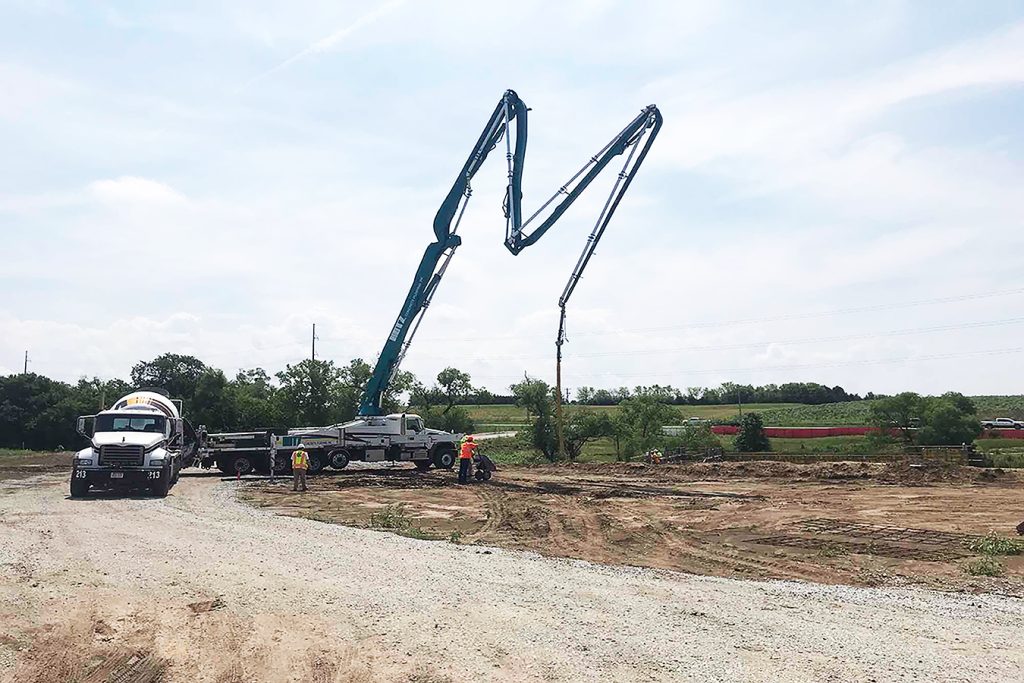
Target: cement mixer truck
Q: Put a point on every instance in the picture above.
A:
(141, 442)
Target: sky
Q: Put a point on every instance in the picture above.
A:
(835, 196)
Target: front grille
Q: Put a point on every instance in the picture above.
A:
(121, 455)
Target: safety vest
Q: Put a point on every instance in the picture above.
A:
(300, 460)
(467, 450)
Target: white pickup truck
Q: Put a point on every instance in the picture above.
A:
(1002, 423)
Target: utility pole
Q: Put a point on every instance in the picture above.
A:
(25, 371)
(314, 341)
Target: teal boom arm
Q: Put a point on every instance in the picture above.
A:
(510, 110)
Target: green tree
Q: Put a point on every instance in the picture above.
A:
(455, 385)
(698, 439)
(401, 384)
(213, 404)
(645, 413)
(176, 374)
(583, 426)
(36, 412)
(311, 393)
(902, 412)
(438, 404)
(455, 420)
(536, 396)
(93, 395)
(255, 400)
(751, 437)
(948, 420)
(352, 380)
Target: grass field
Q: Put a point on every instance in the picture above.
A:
(508, 416)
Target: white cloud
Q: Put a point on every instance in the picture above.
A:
(133, 191)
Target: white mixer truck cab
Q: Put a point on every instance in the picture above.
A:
(140, 442)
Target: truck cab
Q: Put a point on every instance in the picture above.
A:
(140, 442)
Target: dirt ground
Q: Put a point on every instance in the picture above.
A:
(200, 587)
(840, 523)
(20, 465)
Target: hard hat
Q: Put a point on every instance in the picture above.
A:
(469, 438)
(301, 445)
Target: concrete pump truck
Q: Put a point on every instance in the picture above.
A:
(375, 437)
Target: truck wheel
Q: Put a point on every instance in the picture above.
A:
(79, 487)
(161, 486)
(226, 465)
(422, 465)
(444, 457)
(338, 459)
(242, 465)
(282, 464)
(316, 463)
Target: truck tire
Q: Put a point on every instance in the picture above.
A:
(444, 457)
(338, 459)
(422, 465)
(282, 464)
(79, 487)
(316, 462)
(226, 465)
(162, 486)
(242, 465)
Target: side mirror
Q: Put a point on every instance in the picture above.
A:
(85, 425)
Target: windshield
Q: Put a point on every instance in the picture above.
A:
(129, 423)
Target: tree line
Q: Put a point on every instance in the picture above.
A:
(39, 413)
(728, 392)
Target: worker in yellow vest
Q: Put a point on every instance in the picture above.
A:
(300, 463)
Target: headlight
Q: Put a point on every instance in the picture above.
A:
(83, 459)
(156, 462)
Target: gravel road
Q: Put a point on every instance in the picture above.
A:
(208, 589)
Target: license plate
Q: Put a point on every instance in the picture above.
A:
(117, 475)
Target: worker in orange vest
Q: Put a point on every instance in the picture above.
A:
(300, 463)
(466, 459)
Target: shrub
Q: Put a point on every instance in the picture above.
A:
(993, 544)
(751, 437)
(986, 566)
